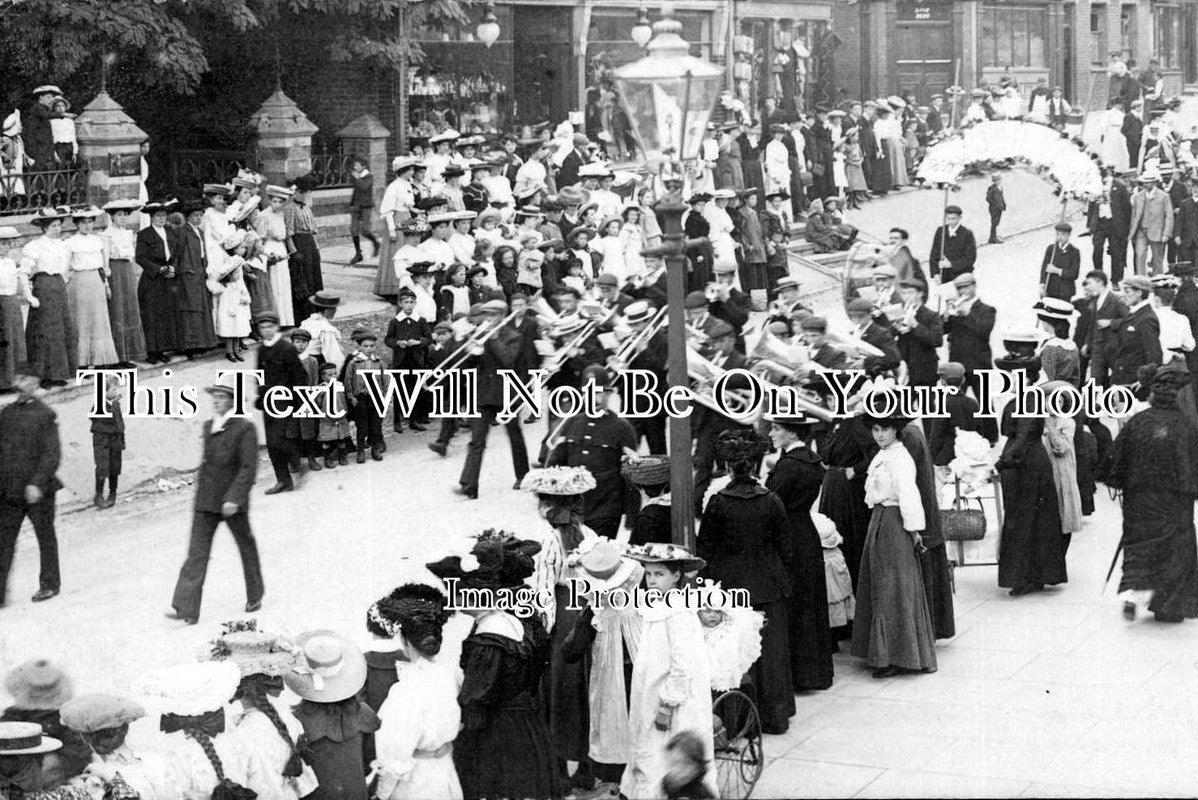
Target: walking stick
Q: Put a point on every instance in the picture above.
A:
(1111, 571)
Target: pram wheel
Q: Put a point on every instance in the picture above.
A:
(739, 760)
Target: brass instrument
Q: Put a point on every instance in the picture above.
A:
(775, 361)
(717, 292)
(544, 312)
(695, 338)
(481, 334)
(639, 279)
(630, 348)
(596, 314)
(703, 375)
(854, 348)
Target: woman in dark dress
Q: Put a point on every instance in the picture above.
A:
(158, 286)
(697, 229)
(504, 748)
(846, 450)
(746, 544)
(1031, 552)
(796, 478)
(937, 580)
(823, 184)
(1155, 463)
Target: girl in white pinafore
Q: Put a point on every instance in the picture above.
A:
(671, 680)
(87, 291)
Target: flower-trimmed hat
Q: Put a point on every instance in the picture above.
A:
(656, 553)
(563, 481)
(38, 684)
(741, 445)
(497, 559)
(392, 615)
(254, 652)
(90, 713)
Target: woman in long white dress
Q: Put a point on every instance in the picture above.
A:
(611, 248)
(272, 230)
(722, 244)
(671, 679)
(1112, 145)
(231, 298)
(87, 291)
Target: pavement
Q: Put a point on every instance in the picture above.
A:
(1050, 695)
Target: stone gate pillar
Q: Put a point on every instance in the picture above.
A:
(283, 134)
(110, 145)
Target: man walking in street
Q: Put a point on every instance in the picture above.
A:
(29, 456)
(280, 364)
(227, 471)
(1109, 219)
(1151, 223)
(1186, 231)
(997, 203)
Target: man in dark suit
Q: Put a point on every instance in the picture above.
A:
(409, 336)
(650, 357)
(227, 471)
(936, 115)
(1186, 304)
(919, 332)
(280, 364)
(501, 351)
(1185, 230)
(567, 173)
(860, 313)
(1132, 130)
(1138, 335)
(1061, 266)
(968, 323)
(29, 456)
(707, 423)
(728, 303)
(1109, 221)
(996, 203)
(954, 249)
(1100, 314)
(962, 416)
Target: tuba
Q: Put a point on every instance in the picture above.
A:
(775, 361)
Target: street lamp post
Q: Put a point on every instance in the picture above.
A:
(668, 97)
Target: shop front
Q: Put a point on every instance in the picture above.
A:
(784, 51)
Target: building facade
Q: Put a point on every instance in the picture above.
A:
(923, 46)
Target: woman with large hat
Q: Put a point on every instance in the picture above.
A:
(420, 715)
(15, 292)
(1153, 463)
(696, 226)
(39, 688)
(264, 721)
(396, 208)
(892, 630)
(328, 675)
(671, 680)
(1031, 552)
(504, 748)
(88, 290)
(609, 638)
(1059, 357)
(211, 760)
(50, 339)
(271, 227)
(746, 541)
(197, 331)
(559, 492)
(797, 477)
(157, 288)
(123, 313)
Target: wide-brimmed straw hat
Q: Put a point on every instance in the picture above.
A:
(564, 481)
(38, 684)
(25, 739)
(656, 553)
(254, 652)
(325, 299)
(99, 712)
(601, 563)
(330, 667)
(188, 689)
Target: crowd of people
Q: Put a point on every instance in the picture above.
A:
(832, 526)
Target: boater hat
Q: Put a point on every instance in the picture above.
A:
(325, 299)
(25, 739)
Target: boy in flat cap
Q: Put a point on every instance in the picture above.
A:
(360, 367)
(1061, 265)
(954, 248)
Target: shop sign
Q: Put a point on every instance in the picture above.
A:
(923, 11)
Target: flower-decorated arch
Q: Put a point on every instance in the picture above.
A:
(1065, 162)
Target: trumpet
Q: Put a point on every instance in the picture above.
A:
(631, 347)
(641, 279)
(595, 314)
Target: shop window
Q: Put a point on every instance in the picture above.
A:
(1166, 29)
(610, 36)
(1098, 36)
(1127, 31)
(1013, 37)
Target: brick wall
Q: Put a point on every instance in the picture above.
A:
(846, 22)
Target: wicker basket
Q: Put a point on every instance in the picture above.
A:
(647, 470)
(961, 524)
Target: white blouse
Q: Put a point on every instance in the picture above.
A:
(1175, 330)
(10, 277)
(121, 242)
(46, 255)
(420, 720)
(891, 482)
(87, 252)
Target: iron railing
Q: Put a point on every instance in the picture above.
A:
(25, 193)
(191, 169)
(332, 168)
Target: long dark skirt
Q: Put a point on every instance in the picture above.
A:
(1031, 554)
(937, 584)
(158, 304)
(306, 278)
(50, 339)
(509, 757)
(564, 698)
(881, 182)
(770, 674)
(892, 627)
(810, 634)
(843, 501)
(1159, 550)
(14, 335)
(123, 313)
(262, 297)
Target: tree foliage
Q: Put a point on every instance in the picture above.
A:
(160, 44)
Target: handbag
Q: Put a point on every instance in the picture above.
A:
(806, 179)
(961, 524)
(817, 169)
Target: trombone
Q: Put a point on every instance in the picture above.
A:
(630, 348)
(596, 314)
(481, 334)
(704, 374)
